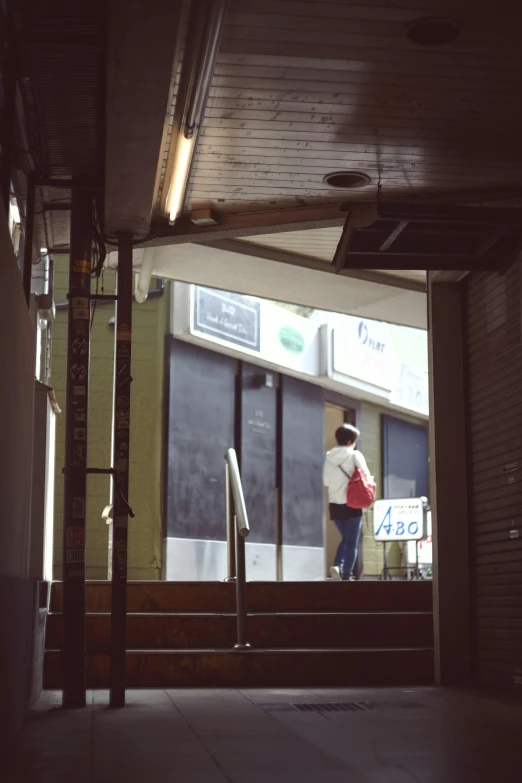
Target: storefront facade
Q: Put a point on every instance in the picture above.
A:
(251, 374)
(271, 345)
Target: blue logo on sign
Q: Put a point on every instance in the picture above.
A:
(364, 337)
(363, 332)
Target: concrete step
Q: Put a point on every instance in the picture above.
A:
(257, 668)
(261, 597)
(218, 631)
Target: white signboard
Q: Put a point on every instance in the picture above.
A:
(398, 520)
(289, 340)
(411, 389)
(362, 349)
(228, 317)
(425, 547)
(255, 326)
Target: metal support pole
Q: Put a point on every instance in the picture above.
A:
(241, 604)
(231, 528)
(75, 485)
(122, 390)
(8, 116)
(279, 534)
(279, 480)
(28, 240)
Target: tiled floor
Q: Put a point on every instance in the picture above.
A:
(250, 736)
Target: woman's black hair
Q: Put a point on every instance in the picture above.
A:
(346, 435)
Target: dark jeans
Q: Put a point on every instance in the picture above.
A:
(346, 556)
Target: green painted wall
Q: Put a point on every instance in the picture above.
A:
(150, 324)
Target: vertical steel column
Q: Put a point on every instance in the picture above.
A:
(75, 486)
(122, 389)
(279, 481)
(241, 604)
(8, 116)
(231, 528)
(29, 235)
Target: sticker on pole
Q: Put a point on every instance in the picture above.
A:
(124, 333)
(82, 267)
(74, 537)
(398, 520)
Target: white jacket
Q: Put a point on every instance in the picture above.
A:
(334, 479)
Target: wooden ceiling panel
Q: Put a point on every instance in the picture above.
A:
(305, 88)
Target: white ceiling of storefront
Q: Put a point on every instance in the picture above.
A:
(233, 271)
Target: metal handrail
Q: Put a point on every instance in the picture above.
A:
(237, 530)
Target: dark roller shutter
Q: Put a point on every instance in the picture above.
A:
(303, 458)
(200, 428)
(258, 452)
(494, 375)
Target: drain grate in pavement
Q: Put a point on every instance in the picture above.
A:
(393, 705)
(334, 706)
(342, 706)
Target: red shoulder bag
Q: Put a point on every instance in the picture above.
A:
(361, 489)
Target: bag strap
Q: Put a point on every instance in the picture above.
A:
(355, 467)
(345, 473)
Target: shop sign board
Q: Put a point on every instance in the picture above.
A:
(399, 520)
(411, 389)
(425, 547)
(272, 332)
(362, 349)
(289, 340)
(229, 317)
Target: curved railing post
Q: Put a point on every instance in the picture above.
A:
(237, 530)
(231, 522)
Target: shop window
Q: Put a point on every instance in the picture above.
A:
(405, 459)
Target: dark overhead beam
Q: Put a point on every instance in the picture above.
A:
(510, 257)
(67, 184)
(294, 259)
(62, 38)
(56, 206)
(245, 224)
(343, 246)
(415, 261)
(383, 227)
(491, 239)
(446, 198)
(397, 231)
(359, 216)
(426, 213)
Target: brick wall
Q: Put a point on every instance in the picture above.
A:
(150, 323)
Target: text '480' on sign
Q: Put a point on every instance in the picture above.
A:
(398, 520)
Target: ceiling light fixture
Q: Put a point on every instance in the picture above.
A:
(433, 31)
(180, 175)
(347, 180)
(205, 29)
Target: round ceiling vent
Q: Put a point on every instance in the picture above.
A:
(347, 180)
(433, 31)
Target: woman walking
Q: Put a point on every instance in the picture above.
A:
(339, 466)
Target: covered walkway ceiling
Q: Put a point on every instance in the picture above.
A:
(300, 89)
